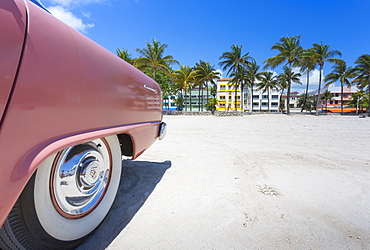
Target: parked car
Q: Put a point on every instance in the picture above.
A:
(69, 110)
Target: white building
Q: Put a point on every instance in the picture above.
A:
(261, 101)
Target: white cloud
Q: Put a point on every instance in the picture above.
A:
(313, 82)
(273, 72)
(221, 72)
(86, 14)
(68, 3)
(69, 18)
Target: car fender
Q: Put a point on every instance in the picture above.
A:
(68, 90)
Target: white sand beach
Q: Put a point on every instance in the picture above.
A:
(253, 182)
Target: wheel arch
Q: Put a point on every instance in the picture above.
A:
(127, 144)
(28, 164)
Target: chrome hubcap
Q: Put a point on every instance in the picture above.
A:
(80, 177)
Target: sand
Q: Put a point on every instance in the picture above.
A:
(253, 182)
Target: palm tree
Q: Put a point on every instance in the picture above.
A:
(239, 79)
(342, 73)
(289, 53)
(206, 73)
(211, 105)
(326, 96)
(184, 78)
(359, 100)
(363, 74)
(307, 64)
(307, 102)
(234, 61)
(168, 87)
(267, 81)
(288, 76)
(321, 54)
(251, 77)
(125, 55)
(178, 101)
(282, 86)
(153, 57)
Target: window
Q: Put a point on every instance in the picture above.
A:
(274, 104)
(256, 97)
(222, 97)
(336, 102)
(222, 105)
(222, 87)
(264, 104)
(255, 104)
(345, 94)
(264, 96)
(336, 94)
(274, 97)
(237, 97)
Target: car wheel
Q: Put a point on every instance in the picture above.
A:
(67, 198)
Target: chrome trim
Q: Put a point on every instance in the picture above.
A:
(162, 130)
(81, 177)
(149, 88)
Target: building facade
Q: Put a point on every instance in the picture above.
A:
(196, 100)
(261, 101)
(230, 99)
(169, 103)
(293, 101)
(334, 105)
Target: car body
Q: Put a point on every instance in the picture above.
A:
(58, 89)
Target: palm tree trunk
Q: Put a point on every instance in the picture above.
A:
(281, 94)
(341, 99)
(236, 91)
(207, 93)
(241, 97)
(288, 99)
(305, 97)
(202, 96)
(153, 70)
(288, 94)
(318, 92)
(190, 99)
(268, 100)
(327, 104)
(252, 98)
(199, 97)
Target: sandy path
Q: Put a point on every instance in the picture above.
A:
(261, 181)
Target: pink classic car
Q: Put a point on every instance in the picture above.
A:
(69, 110)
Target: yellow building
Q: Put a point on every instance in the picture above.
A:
(227, 99)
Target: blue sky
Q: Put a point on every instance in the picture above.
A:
(204, 29)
